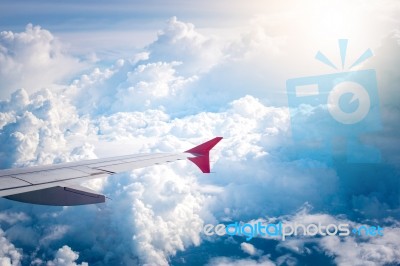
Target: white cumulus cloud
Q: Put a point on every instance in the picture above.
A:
(9, 254)
(37, 128)
(224, 261)
(180, 41)
(65, 256)
(250, 249)
(33, 59)
(152, 104)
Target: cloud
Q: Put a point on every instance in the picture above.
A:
(12, 217)
(180, 41)
(347, 250)
(377, 251)
(152, 85)
(166, 99)
(37, 130)
(223, 261)
(65, 256)
(33, 59)
(183, 72)
(161, 224)
(9, 255)
(161, 77)
(301, 250)
(163, 208)
(250, 249)
(129, 86)
(167, 215)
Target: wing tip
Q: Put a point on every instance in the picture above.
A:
(204, 147)
(202, 153)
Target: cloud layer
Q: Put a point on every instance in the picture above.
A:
(33, 59)
(181, 90)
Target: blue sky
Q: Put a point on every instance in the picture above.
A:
(82, 81)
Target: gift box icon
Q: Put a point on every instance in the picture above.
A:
(331, 114)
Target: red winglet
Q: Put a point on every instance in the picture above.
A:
(202, 153)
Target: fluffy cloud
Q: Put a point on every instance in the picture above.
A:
(250, 249)
(300, 250)
(9, 255)
(167, 212)
(223, 261)
(162, 77)
(36, 130)
(13, 217)
(65, 256)
(377, 251)
(152, 85)
(180, 72)
(349, 250)
(166, 216)
(166, 207)
(156, 103)
(180, 41)
(129, 87)
(33, 59)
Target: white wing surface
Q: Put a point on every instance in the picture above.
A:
(59, 184)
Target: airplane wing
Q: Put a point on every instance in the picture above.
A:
(58, 184)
